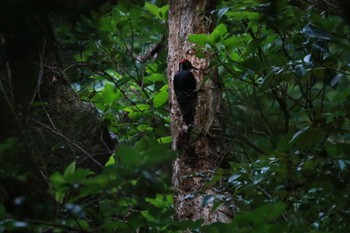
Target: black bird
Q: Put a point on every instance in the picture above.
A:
(185, 86)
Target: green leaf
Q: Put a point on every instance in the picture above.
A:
(152, 8)
(342, 164)
(144, 128)
(233, 177)
(83, 224)
(199, 39)
(161, 97)
(214, 37)
(70, 170)
(222, 12)
(129, 157)
(260, 216)
(311, 31)
(147, 215)
(252, 45)
(156, 78)
(2, 212)
(108, 94)
(240, 15)
(164, 140)
(234, 42)
(161, 201)
(60, 195)
(336, 80)
(160, 13)
(156, 154)
(341, 96)
(111, 161)
(138, 107)
(300, 70)
(221, 29)
(297, 134)
(306, 138)
(217, 35)
(10, 143)
(163, 12)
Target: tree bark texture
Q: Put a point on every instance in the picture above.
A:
(199, 148)
(39, 107)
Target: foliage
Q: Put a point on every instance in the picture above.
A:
(284, 65)
(285, 69)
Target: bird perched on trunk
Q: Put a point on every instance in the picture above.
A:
(184, 87)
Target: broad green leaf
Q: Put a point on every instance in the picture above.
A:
(136, 110)
(160, 13)
(161, 97)
(156, 78)
(218, 34)
(261, 215)
(161, 201)
(306, 138)
(240, 15)
(107, 24)
(148, 216)
(163, 12)
(312, 31)
(251, 47)
(157, 154)
(108, 94)
(111, 161)
(83, 224)
(221, 29)
(341, 96)
(129, 157)
(152, 9)
(164, 140)
(144, 128)
(214, 37)
(234, 42)
(200, 39)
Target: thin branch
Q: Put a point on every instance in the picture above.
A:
(55, 131)
(52, 224)
(106, 75)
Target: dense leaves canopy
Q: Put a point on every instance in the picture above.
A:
(285, 72)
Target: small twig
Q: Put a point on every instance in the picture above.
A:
(109, 77)
(250, 144)
(55, 131)
(40, 77)
(7, 99)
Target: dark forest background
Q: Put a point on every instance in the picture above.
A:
(85, 141)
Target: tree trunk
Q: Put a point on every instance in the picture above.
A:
(199, 149)
(50, 124)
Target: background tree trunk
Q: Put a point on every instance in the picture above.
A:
(50, 124)
(199, 150)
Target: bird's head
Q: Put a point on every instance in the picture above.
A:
(185, 64)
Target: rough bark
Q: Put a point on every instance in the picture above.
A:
(199, 148)
(40, 109)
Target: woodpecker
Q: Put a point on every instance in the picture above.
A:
(185, 86)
